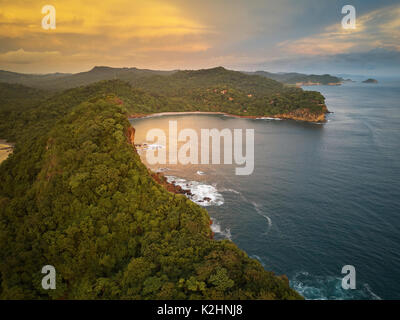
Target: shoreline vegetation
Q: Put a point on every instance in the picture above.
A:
(289, 116)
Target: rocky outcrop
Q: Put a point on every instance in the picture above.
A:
(304, 115)
(130, 134)
(170, 186)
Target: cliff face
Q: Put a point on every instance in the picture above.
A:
(171, 187)
(130, 134)
(158, 177)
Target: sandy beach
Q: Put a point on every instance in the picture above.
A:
(135, 116)
(303, 115)
(5, 150)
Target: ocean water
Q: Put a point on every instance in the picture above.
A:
(321, 195)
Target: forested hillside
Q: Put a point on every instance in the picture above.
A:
(23, 108)
(213, 90)
(75, 195)
(62, 81)
(221, 90)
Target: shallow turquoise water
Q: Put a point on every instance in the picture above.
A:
(321, 196)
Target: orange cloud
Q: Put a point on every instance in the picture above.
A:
(122, 32)
(121, 18)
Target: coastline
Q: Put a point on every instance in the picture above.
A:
(159, 178)
(172, 187)
(298, 115)
(310, 84)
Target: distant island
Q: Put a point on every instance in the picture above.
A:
(370, 80)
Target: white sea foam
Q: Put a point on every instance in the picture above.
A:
(144, 147)
(200, 191)
(269, 118)
(314, 287)
(229, 190)
(268, 219)
(373, 295)
(261, 213)
(216, 228)
(154, 146)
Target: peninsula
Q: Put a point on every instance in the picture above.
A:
(76, 194)
(209, 90)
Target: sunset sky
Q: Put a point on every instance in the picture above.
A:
(284, 35)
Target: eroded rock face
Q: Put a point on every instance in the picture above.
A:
(130, 134)
(170, 186)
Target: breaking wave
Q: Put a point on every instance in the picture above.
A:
(154, 147)
(142, 148)
(269, 118)
(268, 219)
(261, 213)
(229, 190)
(216, 228)
(203, 194)
(328, 288)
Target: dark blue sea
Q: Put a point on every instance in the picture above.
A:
(321, 195)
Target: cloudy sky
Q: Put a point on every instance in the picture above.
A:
(280, 35)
